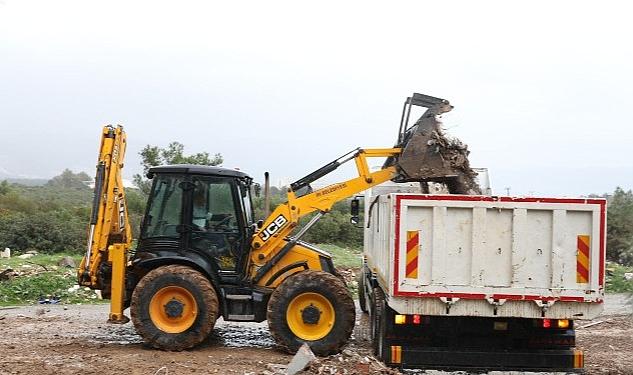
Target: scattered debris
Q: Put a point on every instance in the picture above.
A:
(6, 253)
(352, 360)
(8, 274)
(348, 274)
(593, 324)
(67, 262)
(37, 264)
(33, 252)
(301, 360)
(49, 300)
(628, 276)
(25, 256)
(274, 368)
(73, 289)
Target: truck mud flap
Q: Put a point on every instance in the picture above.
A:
(459, 359)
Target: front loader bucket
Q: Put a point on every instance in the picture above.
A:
(427, 154)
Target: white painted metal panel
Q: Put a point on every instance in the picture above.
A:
(486, 256)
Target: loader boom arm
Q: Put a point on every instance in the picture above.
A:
(109, 232)
(268, 240)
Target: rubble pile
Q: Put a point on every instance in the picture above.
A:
(354, 360)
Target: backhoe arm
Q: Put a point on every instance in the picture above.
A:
(268, 242)
(103, 266)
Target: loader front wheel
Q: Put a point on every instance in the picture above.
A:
(312, 307)
(174, 307)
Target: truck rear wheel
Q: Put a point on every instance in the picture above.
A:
(174, 307)
(379, 323)
(312, 307)
(362, 299)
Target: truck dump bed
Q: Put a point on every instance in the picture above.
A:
(459, 255)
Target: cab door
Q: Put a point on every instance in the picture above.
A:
(216, 219)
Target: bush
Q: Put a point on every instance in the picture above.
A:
(335, 228)
(46, 232)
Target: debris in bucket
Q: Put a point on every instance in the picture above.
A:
(428, 154)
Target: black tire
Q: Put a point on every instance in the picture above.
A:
(326, 286)
(362, 299)
(193, 282)
(379, 324)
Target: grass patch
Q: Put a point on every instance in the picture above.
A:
(40, 276)
(347, 257)
(616, 282)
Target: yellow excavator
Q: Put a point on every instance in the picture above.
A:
(201, 254)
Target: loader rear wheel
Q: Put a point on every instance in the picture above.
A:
(174, 307)
(312, 307)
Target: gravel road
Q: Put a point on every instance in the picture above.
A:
(75, 339)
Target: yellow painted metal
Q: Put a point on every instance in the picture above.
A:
(310, 331)
(110, 234)
(298, 253)
(158, 312)
(286, 216)
(117, 255)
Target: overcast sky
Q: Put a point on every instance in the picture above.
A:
(543, 91)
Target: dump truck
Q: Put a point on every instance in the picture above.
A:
(479, 282)
(202, 255)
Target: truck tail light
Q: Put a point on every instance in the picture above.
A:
(417, 319)
(555, 323)
(562, 323)
(400, 319)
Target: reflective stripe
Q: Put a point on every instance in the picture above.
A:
(579, 359)
(396, 354)
(413, 246)
(582, 259)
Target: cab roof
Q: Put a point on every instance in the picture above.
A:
(198, 169)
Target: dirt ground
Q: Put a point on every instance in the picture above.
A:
(75, 339)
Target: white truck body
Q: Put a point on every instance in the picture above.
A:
(456, 255)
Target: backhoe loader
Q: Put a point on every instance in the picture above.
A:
(202, 255)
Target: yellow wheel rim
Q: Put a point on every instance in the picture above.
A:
(173, 309)
(310, 316)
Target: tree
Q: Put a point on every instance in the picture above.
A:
(620, 227)
(152, 156)
(69, 180)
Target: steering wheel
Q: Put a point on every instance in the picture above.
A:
(224, 221)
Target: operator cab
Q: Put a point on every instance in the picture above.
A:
(201, 213)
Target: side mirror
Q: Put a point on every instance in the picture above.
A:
(355, 211)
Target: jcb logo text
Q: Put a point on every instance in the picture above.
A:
(273, 227)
